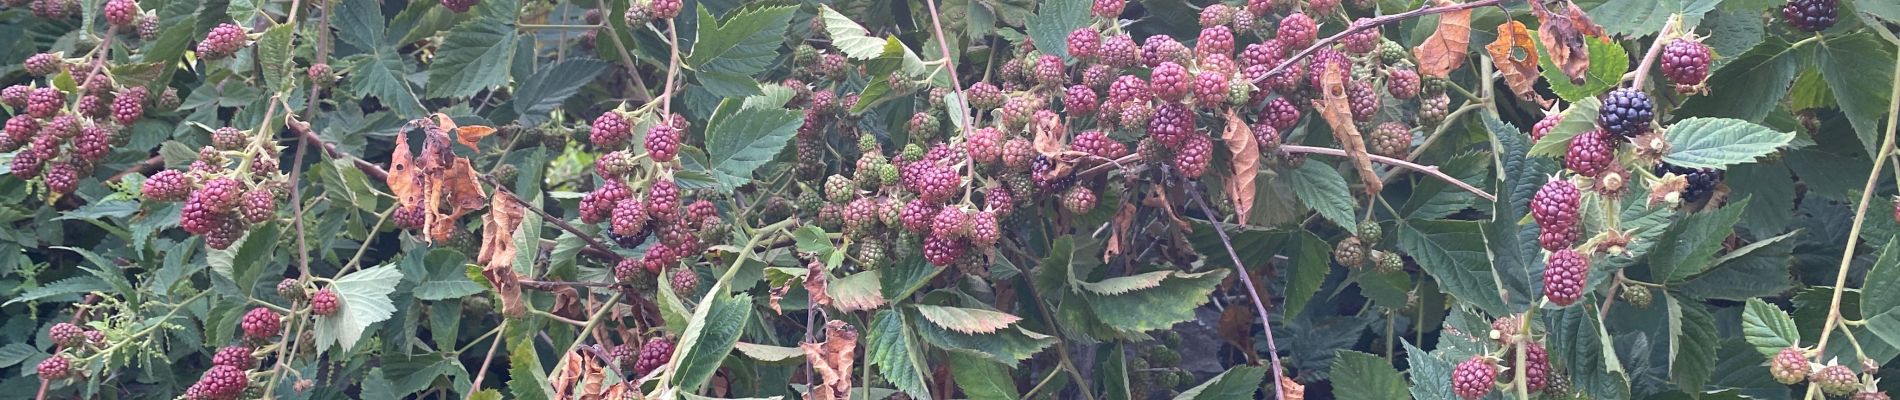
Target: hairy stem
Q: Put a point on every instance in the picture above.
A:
(1860, 217)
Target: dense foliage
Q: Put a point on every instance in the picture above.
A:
(984, 199)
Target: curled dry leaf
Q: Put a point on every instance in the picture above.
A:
(832, 361)
(497, 255)
(816, 285)
(443, 185)
(1236, 328)
(1337, 110)
(1666, 188)
(1119, 231)
(1246, 163)
(1050, 137)
(1291, 390)
(1561, 28)
(1445, 50)
(1515, 56)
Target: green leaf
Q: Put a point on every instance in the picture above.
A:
(547, 88)
(1720, 142)
(1357, 375)
(1431, 374)
(169, 46)
(728, 85)
(1608, 63)
(245, 263)
(981, 378)
(896, 354)
(1859, 68)
(849, 37)
(359, 23)
(365, 296)
(1171, 301)
(1453, 253)
(476, 55)
(710, 335)
(969, 321)
(1884, 274)
(906, 276)
(1873, 10)
(1810, 91)
(1310, 257)
(1689, 246)
(1584, 349)
(1113, 367)
(770, 354)
(1768, 328)
(447, 278)
(1749, 86)
(1007, 346)
(857, 292)
(1694, 345)
(743, 44)
(740, 139)
(1763, 272)
(1241, 382)
(1638, 18)
(1053, 22)
(1324, 189)
(1886, 326)
(1579, 118)
(274, 53)
(15, 353)
(377, 387)
(381, 74)
(1515, 250)
(526, 379)
(1771, 192)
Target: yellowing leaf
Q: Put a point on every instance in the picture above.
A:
(1562, 32)
(970, 321)
(1445, 50)
(1516, 59)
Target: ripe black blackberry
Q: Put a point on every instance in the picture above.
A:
(1811, 15)
(1701, 181)
(1626, 112)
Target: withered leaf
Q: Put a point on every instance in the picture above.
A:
(816, 284)
(1050, 136)
(832, 360)
(1236, 327)
(443, 184)
(1119, 231)
(1291, 390)
(1246, 163)
(1444, 51)
(1516, 59)
(498, 252)
(1337, 110)
(1562, 27)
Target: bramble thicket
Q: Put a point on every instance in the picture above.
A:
(949, 199)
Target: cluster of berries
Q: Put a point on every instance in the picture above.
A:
(644, 359)
(683, 227)
(62, 135)
(222, 196)
(1791, 366)
(73, 342)
(118, 13)
(1359, 250)
(1477, 376)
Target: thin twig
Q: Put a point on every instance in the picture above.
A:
(1860, 217)
(1425, 169)
(1655, 49)
(142, 166)
(1371, 24)
(591, 241)
(476, 385)
(369, 168)
(1273, 350)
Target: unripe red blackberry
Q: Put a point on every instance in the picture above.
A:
(1098, 76)
(1120, 51)
(663, 200)
(1365, 101)
(44, 102)
(1432, 108)
(1392, 139)
(261, 323)
(1083, 43)
(667, 9)
(1080, 101)
(1289, 81)
(1474, 378)
(1266, 137)
(54, 9)
(221, 382)
(942, 251)
(1590, 153)
(984, 96)
(1811, 15)
(62, 177)
(1789, 366)
(838, 189)
(460, 6)
(57, 367)
(662, 143)
(129, 105)
(234, 356)
(1864, 395)
(1297, 31)
(654, 354)
(1078, 200)
(984, 229)
(1193, 157)
(610, 130)
(660, 256)
(44, 64)
(1216, 14)
(320, 74)
(1836, 380)
(860, 215)
(1098, 144)
(1537, 366)
(1158, 49)
(220, 194)
(1544, 126)
(291, 289)
(924, 125)
(1322, 7)
(1364, 41)
(412, 217)
(1626, 112)
(1016, 111)
(952, 222)
(1281, 114)
(685, 282)
(67, 335)
(1018, 154)
(228, 139)
(1564, 274)
(223, 41)
(122, 13)
(325, 302)
(985, 145)
(831, 65)
(1129, 88)
(918, 215)
(1050, 71)
(1171, 125)
(167, 100)
(1686, 62)
(1170, 81)
(94, 106)
(1214, 40)
(15, 96)
(629, 217)
(258, 205)
(226, 232)
(1402, 83)
(1108, 9)
(1554, 207)
(1210, 89)
(20, 130)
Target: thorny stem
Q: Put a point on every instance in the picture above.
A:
(368, 168)
(672, 71)
(1524, 336)
(1372, 24)
(1655, 49)
(1860, 217)
(1273, 350)
(1428, 170)
(486, 360)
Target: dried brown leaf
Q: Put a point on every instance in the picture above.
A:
(498, 232)
(1050, 136)
(443, 184)
(816, 284)
(832, 360)
(1236, 327)
(1562, 31)
(1515, 56)
(1444, 51)
(1337, 110)
(1291, 390)
(1246, 163)
(1119, 231)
